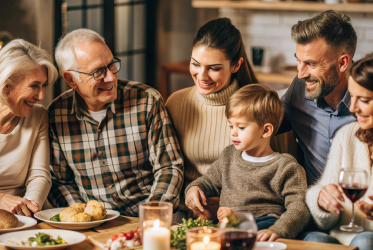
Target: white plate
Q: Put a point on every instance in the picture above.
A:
(70, 237)
(23, 222)
(269, 246)
(45, 215)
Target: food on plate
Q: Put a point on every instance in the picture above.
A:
(67, 214)
(40, 239)
(80, 212)
(80, 206)
(7, 219)
(56, 218)
(178, 237)
(81, 217)
(123, 240)
(95, 210)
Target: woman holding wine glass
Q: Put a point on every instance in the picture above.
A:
(348, 172)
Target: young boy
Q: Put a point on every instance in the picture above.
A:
(249, 176)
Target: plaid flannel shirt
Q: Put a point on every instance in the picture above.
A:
(131, 156)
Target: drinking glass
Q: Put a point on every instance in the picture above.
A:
(241, 238)
(354, 183)
(155, 223)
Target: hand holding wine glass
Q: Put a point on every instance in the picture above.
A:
(366, 208)
(330, 197)
(354, 183)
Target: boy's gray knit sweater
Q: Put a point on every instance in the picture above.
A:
(274, 188)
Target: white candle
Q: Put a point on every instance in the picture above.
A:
(156, 238)
(205, 245)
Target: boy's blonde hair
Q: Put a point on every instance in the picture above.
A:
(257, 102)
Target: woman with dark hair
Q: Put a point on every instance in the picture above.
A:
(352, 147)
(219, 66)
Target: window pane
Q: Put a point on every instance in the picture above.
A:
(123, 73)
(73, 2)
(121, 28)
(139, 26)
(122, 1)
(92, 2)
(139, 68)
(74, 20)
(95, 20)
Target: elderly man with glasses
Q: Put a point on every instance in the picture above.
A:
(111, 141)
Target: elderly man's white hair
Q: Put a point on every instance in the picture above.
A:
(65, 55)
(17, 59)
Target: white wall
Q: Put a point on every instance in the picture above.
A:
(272, 31)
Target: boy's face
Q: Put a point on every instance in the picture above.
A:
(246, 135)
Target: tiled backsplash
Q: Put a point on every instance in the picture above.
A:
(272, 31)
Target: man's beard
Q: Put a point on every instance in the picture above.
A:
(326, 87)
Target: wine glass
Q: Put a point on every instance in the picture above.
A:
(354, 183)
(241, 238)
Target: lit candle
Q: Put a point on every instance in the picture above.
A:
(205, 245)
(156, 238)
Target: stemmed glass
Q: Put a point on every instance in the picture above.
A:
(241, 238)
(354, 183)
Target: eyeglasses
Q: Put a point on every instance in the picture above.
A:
(99, 74)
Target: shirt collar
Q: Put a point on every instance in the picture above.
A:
(345, 102)
(79, 106)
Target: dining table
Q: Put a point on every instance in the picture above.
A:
(123, 223)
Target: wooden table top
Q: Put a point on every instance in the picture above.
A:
(123, 221)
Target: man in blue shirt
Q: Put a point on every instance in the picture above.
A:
(317, 101)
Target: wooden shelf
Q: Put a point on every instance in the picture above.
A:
(285, 5)
(275, 78)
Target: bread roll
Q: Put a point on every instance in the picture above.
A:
(7, 219)
(67, 213)
(95, 210)
(80, 206)
(81, 217)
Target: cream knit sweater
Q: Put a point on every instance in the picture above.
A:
(346, 152)
(201, 127)
(24, 158)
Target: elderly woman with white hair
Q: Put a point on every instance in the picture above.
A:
(25, 72)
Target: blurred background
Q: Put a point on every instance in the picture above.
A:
(153, 37)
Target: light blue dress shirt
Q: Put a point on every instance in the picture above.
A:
(314, 124)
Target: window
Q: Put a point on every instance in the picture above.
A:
(127, 26)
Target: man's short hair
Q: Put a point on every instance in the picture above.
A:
(334, 27)
(257, 102)
(65, 54)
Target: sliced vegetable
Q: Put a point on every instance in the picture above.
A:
(56, 218)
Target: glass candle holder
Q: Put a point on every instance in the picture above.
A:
(155, 223)
(203, 238)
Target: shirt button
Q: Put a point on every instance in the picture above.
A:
(333, 116)
(296, 139)
(331, 140)
(110, 186)
(100, 153)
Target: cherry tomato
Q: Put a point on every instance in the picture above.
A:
(128, 235)
(114, 237)
(138, 230)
